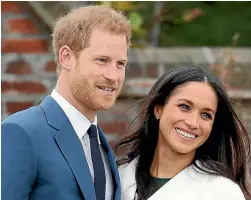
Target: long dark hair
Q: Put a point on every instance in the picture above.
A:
(226, 151)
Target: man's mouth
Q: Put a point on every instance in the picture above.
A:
(106, 89)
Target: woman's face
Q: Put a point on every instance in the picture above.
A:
(186, 120)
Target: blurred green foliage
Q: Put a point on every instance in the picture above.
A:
(190, 23)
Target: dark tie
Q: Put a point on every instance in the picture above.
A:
(98, 165)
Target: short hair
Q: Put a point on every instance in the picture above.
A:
(74, 29)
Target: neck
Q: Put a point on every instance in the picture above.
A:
(64, 91)
(167, 163)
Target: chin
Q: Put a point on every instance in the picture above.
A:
(184, 150)
(105, 105)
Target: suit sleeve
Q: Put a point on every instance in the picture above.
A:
(18, 163)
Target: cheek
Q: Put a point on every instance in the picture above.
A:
(166, 123)
(207, 128)
(87, 66)
(176, 117)
(121, 75)
(90, 73)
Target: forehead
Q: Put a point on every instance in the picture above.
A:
(199, 93)
(103, 40)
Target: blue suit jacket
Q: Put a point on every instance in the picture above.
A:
(43, 159)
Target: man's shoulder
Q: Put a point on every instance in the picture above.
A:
(25, 118)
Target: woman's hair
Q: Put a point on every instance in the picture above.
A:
(225, 153)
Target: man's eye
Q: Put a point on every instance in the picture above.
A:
(103, 60)
(121, 64)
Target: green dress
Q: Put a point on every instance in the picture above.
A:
(160, 181)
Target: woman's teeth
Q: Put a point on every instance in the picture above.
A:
(187, 135)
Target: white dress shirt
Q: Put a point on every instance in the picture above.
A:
(81, 124)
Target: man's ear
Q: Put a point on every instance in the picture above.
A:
(66, 57)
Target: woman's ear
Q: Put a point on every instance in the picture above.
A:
(66, 58)
(158, 111)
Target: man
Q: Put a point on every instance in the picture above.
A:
(56, 150)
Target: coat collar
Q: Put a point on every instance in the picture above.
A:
(54, 114)
(186, 178)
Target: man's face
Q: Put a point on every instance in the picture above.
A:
(97, 78)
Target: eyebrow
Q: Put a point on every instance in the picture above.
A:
(191, 103)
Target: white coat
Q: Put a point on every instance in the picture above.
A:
(186, 185)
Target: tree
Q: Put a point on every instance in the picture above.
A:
(187, 23)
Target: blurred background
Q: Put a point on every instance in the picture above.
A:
(216, 35)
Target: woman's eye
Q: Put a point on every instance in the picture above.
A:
(206, 115)
(184, 107)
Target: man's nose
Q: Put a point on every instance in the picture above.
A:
(111, 72)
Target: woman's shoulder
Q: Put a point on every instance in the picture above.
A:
(128, 168)
(127, 179)
(129, 165)
(224, 187)
(221, 182)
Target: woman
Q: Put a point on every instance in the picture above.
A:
(190, 144)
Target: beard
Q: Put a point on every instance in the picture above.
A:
(87, 94)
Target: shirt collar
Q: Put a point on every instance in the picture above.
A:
(79, 122)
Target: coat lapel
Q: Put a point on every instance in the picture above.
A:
(112, 162)
(170, 188)
(70, 146)
(185, 185)
(73, 152)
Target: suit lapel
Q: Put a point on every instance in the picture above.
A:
(112, 162)
(73, 152)
(70, 146)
